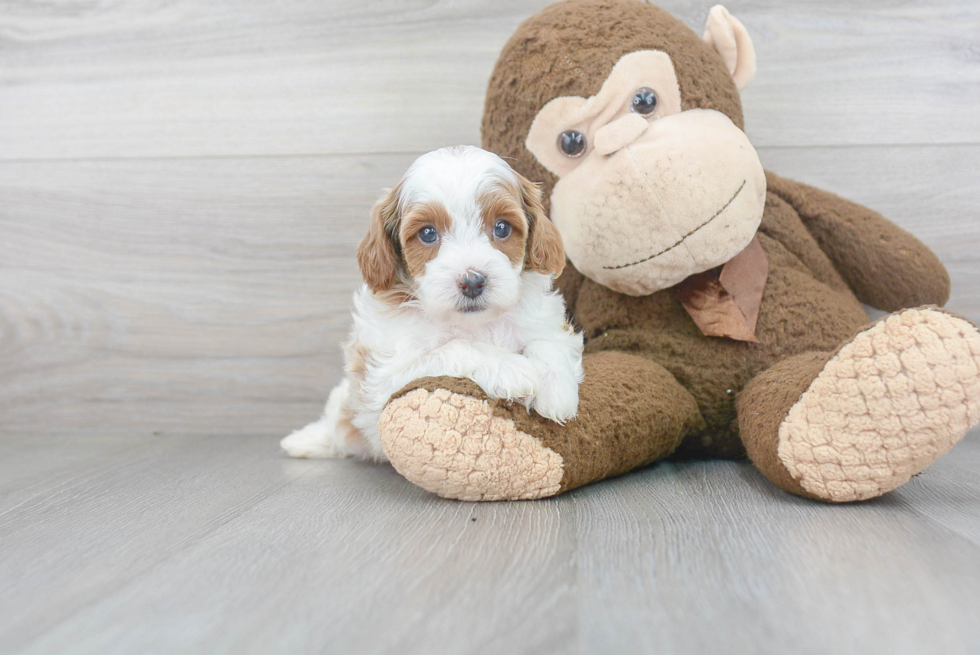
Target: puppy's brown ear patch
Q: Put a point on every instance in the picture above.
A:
(377, 255)
(545, 251)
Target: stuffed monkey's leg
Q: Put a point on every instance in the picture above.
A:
(444, 435)
(860, 422)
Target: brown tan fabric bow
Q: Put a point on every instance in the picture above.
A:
(725, 302)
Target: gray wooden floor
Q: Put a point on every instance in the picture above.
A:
(182, 185)
(219, 544)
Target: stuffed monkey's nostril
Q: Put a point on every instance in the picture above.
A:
(472, 284)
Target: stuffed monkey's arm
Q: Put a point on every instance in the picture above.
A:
(887, 267)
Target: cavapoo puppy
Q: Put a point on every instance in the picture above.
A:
(458, 264)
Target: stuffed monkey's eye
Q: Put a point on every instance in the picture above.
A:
(571, 143)
(428, 234)
(644, 101)
(502, 229)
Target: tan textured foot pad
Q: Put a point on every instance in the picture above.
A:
(890, 403)
(453, 445)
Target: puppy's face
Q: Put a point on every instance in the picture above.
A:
(457, 233)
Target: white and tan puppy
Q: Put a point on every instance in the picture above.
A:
(458, 265)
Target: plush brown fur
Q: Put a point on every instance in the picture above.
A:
(807, 306)
(654, 383)
(542, 61)
(776, 389)
(642, 432)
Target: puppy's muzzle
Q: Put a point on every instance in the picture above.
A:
(471, 284)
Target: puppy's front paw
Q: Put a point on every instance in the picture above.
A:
(556, 399)
(515, 378)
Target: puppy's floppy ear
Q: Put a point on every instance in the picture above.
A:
(545, 252)
(377, 256)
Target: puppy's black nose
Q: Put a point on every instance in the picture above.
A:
(472, 284)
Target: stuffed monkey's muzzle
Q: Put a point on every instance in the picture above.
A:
(658, 201)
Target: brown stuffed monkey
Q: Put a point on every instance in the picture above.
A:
(721, 303)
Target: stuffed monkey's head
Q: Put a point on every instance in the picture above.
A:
(634, 125)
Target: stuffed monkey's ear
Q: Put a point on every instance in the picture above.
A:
(545, 252)
(376, 256)
(728, 36)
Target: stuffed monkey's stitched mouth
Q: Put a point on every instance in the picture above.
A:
(683, 238)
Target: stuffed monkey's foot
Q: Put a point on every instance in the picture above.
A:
(446, 436)
(883, 408)
(452, 445)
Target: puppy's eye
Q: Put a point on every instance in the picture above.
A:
(428, 234)
(572, 143)
(502, 229)
(644, 101)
